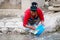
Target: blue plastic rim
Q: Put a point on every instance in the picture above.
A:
(40, 29)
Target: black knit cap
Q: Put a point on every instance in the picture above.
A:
(33, 8)
(34, 3)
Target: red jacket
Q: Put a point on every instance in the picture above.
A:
(28, 15)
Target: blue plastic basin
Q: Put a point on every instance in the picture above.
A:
(40, 29)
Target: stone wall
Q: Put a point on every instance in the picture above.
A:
(10, 13)
(40, 2)
(1, 1)
(25, 4)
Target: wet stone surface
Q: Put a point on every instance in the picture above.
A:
(18, 36)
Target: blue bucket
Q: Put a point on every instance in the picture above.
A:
(40, 29)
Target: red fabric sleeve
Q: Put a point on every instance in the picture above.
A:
(40, 14)
(26, 17)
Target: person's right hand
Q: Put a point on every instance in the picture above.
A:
(32, 27)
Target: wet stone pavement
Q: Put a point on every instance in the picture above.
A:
(9, 32)
(18, 36)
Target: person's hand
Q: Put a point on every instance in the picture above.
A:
(31, 27)
(42, 22)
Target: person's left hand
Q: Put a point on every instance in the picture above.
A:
(41, 22)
